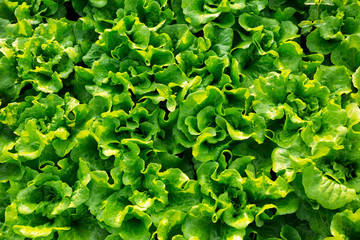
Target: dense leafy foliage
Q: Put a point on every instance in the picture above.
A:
(179, 119)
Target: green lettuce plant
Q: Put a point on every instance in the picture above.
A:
(179, 119)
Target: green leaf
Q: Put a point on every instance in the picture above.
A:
(263, 187)
(336, 78)
(347, 53)
(98, 3)
(84, 227)
(194, 103)
(269, 94)
(328, 192)
(31, 142)
(288, 232)
(194, 13)
(290, 55)
(199, 216)
(356, 78)
(170, 219)
(317, 44)
(10, 171)
(36, 232)
(8, 77)
(221, 39)
(257, 23)
(288, 31)
(345, 225)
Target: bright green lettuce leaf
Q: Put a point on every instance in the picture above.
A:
(290, 55)
(345, 225)
(256, 23)
(179, 119)
(317, 44)
(263, 187)
(269, 93)
(326, 191)
(336, 78)
(197, 14)
(346, 54)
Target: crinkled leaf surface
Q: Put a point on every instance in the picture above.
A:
(179, 119)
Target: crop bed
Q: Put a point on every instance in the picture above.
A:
(179, 119)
